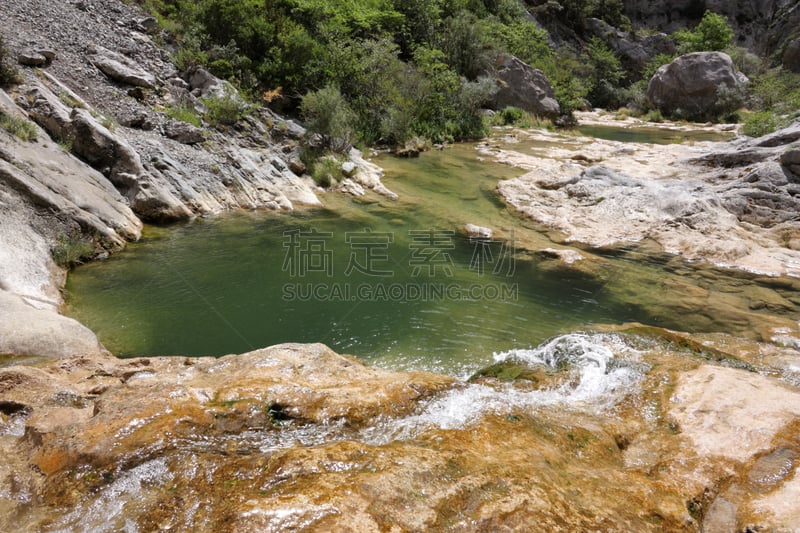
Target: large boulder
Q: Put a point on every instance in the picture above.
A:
(122, 69)
(694, 85)
(523, 86)
(791, 56)
(25, 330)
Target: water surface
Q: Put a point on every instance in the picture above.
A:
(396, 283)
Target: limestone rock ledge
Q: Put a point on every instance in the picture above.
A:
(296, 437)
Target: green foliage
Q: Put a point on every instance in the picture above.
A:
(65, 144)
(514, 116)
(226, 110)
(327, 114)
(776, 90)
(19, 127)
(72, 249)
(607, 74)
(762, 122)
(713, 33)
(573, 13)
(746, 62)
(327, 170)
(654, 116)
(184, 114)
(775, 95)
(462, 43)
(511, 116)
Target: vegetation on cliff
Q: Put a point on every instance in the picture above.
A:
(422, 68)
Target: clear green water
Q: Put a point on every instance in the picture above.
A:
(649, 135)
(225, 285)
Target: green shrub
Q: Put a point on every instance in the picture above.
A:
(72, 249)
(713, 33)
(761, 123)
(19, 127)
(65, 144)
(514, 116)
(327, 114)
(227, 109)
(327, 171)
(511, 115)
(654, 116)
(184, 114)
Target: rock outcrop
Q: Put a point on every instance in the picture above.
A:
(694, 85)
(296, 435)
(758, 24)
(791, 56)
(122, 69)
(635, 50)
(523, 86)
(732, 204)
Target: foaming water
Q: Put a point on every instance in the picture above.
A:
(110, 507)
(602, 369)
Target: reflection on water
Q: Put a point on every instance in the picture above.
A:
(650, 135)
(393, 282)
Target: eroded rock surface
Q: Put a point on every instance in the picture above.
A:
(295, 436)
(732, 204)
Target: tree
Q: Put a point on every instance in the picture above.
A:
(607, 74)
(327, 114)
(713, 33)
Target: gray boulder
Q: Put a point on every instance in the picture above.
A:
(122, 69)
(790, 160)
(694, 85)
(523, 86)
(791, 56)
(183, 132)
(32, 58)
(25, 330)
(203, 84)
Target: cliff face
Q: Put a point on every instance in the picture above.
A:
(98, 92)
(764, 26)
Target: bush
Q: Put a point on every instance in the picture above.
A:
(227, 109)
(713, 33)
(761, 123)
(184, 114)
(71, 250)
(729, 100)
(327, 171)
(511, 115)
(327, 114)
(654, 116)
(19, 127)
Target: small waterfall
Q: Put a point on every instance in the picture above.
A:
(597, 379)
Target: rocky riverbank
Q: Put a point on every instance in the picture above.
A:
(632, 430)
(103, 154)
(629, 428)
(733, 204)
